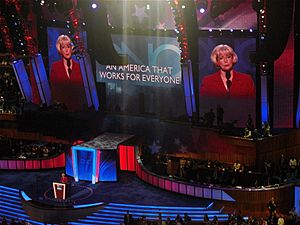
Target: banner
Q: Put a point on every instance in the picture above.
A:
(153, 61)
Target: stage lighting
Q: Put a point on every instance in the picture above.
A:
(94, 5)
(202, 6)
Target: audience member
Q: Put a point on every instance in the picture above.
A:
(178, 220)
(64, 178)
(292, 218)
(215, 221)
(186, 219)
(272, 206)
(293, 166)
(247, 133)
(4, 221)
(249, 123)
(266, 129)
(206, 219)
(128, 218)
(220, 115)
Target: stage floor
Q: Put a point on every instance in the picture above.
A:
(129, 189)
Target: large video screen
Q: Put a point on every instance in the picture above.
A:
(68, 85)
(151, 82)
(239, 100)
(226, 14)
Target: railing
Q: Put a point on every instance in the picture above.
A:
(33, 164)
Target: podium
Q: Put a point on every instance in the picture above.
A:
(61, 190)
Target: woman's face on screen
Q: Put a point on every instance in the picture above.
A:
(225, 60)
(66, 49)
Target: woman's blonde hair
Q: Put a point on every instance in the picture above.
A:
(215, 53)
(62, 38)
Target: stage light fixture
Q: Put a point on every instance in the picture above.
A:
(94, 5)
(202, 6)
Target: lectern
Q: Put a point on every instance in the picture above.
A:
(60, 190)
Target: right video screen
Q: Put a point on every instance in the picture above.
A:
(227, 79)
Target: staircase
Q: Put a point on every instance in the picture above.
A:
(112, 213)
(11, 205)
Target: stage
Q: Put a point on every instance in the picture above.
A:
(105, 202)
(128, 190)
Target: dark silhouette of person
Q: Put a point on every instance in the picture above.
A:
(64, 178)
(272, 206)
(128, 218)
(249, 123)
(220, 114)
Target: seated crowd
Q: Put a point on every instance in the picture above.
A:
(10, 96)
(5, 221)
(209, 172)
(235, 218)
(24, 149)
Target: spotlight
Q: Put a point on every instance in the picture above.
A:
(201, 6)
(94, 5)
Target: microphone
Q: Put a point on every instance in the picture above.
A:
(228, 82)
(228, 75)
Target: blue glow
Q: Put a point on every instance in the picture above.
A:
(75, 163)
(188, 88)
(34, 222)
(165, 213)
(156, 207)
(264, 100)
(84, 155)
(88, 205)
(23, 79)
(8, 188)
(14, 210)
(69, 163)
(106, 222)
(210, 205)
(85, 82)
(94, 175)
(91, 81)
(297, 200)
(191, 210)
(108, 166)
(106, 218)
(9, 193)
(227, 197)
(15, 201)
(16, 205)
(25, 196)
(298, 112)
(85, 164)
(11, 196)
(41, 79)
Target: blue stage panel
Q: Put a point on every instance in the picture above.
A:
(85, 165)
(108, 166)
(69, 163)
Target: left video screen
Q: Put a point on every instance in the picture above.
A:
(68, 82)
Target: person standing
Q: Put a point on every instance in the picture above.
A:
(128, 218)
(65, 78)
(234, 90)
(220, 114)
(226, 82)
(272, 206)
(64, 178)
